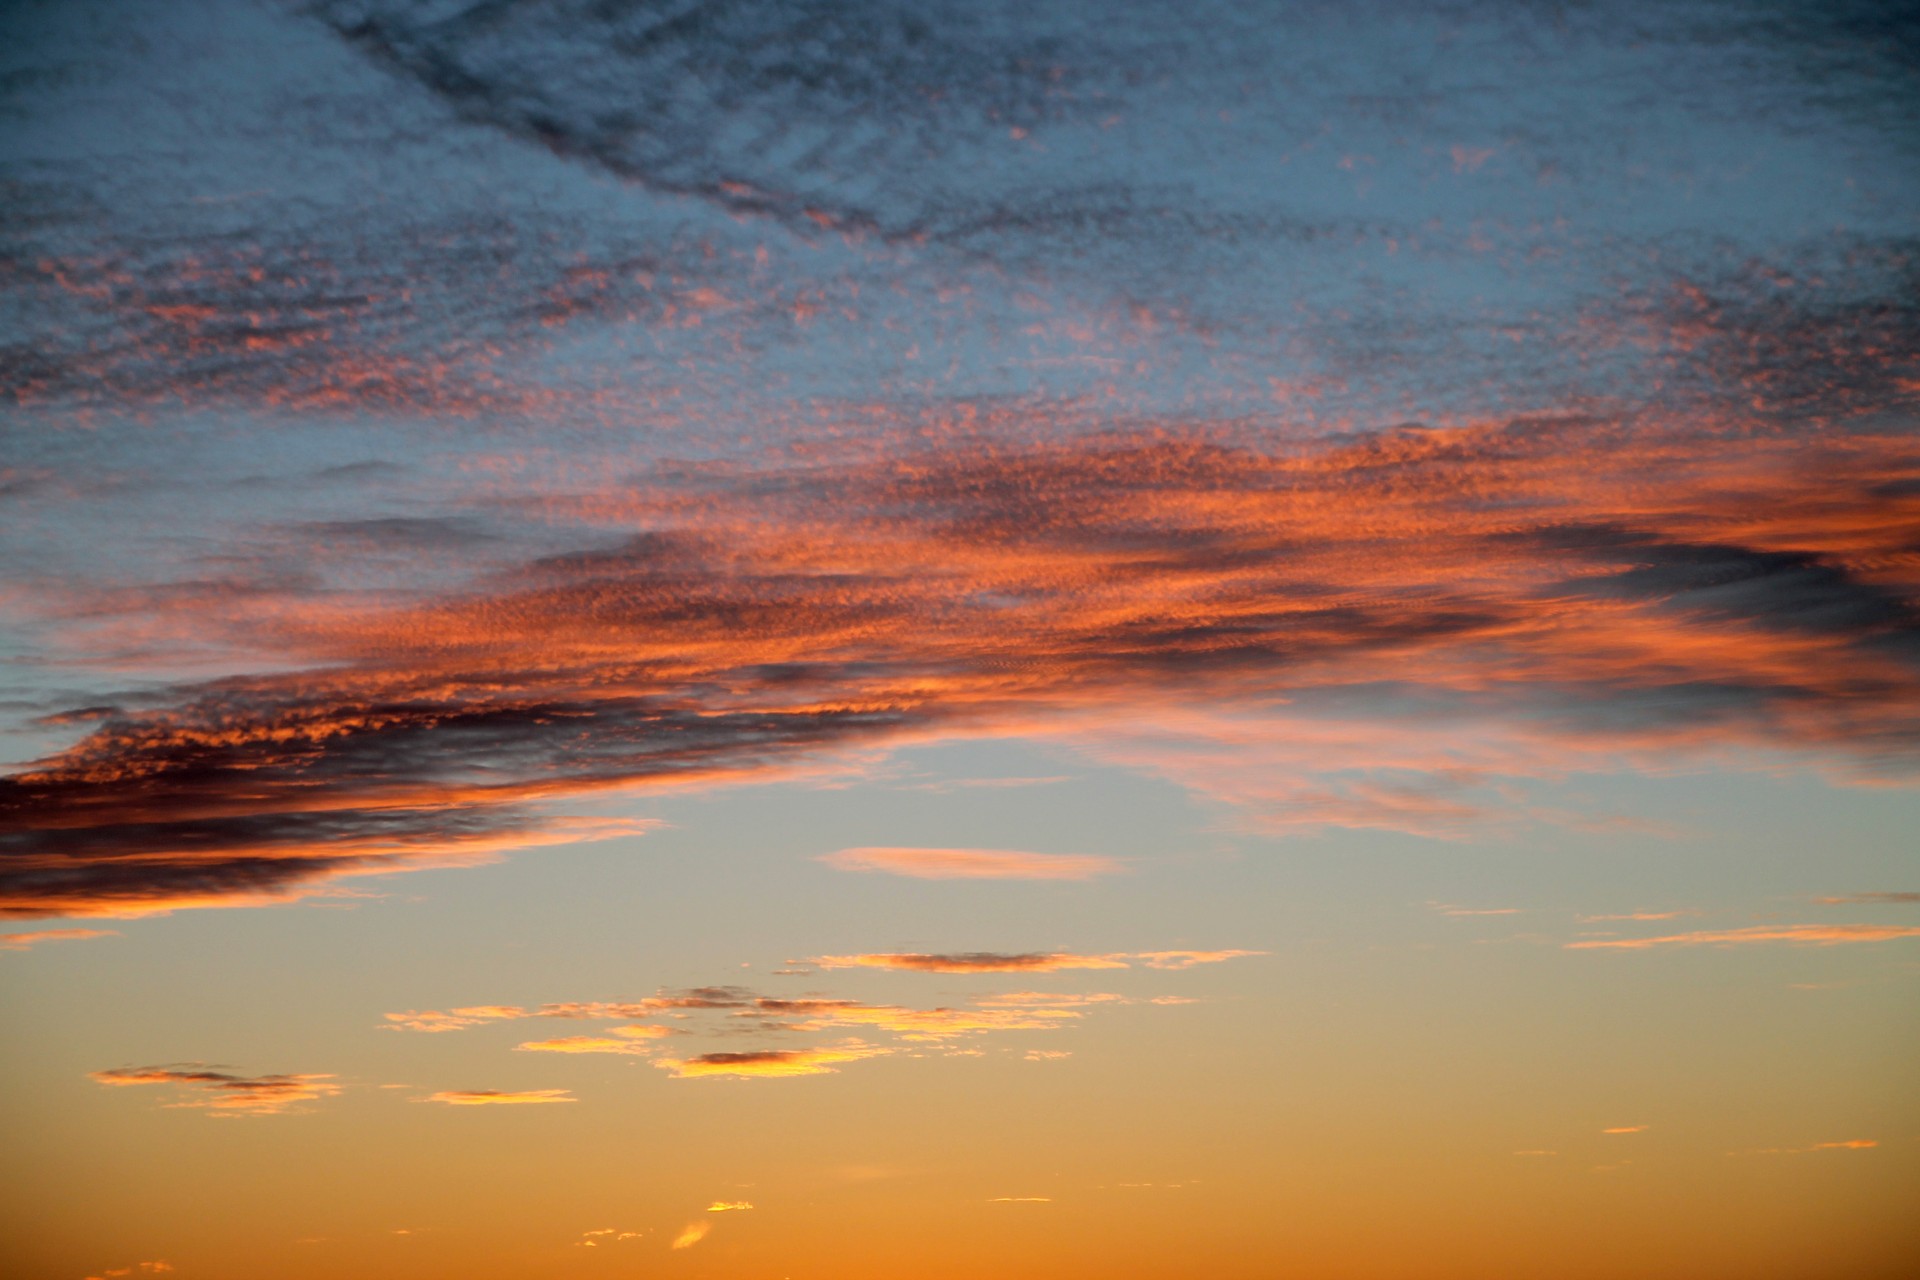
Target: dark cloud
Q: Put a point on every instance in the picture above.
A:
(776, 614)
(846, 114)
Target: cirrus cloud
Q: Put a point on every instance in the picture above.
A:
(1823, 935)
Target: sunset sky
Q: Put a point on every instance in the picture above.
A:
(845, 639)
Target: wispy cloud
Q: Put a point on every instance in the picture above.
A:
(970, 962)
(1627, 1128)
(1825, 935)
(912, 1024)
(771, 1063)
(629, 1040)
(1638, 915)
(728, 1012)
(1023, 962)
(500, 1097)
(24, 941)
(457, 1019)
(1849, 1144)
(728, 1206)
(1188, 959)
(692, 1234)
(1871, 899)
(972, 864)
(222, 1092)
(1054, 999)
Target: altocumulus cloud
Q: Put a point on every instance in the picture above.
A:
(1597, 591)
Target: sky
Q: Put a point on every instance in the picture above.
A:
(823, 639)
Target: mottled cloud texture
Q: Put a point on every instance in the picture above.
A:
(1607, 586)
(1015, 369)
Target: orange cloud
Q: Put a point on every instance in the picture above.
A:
(1024, 962)
(500, 1097)
(1877, 899)
(727, 1206)
(1053, 999)
(225, 1093)
(1538, 596)
(1628, 1128)
(770, 1063)
(692, 1234)
(1188, 959)
(972, 864)
(971, 962)
(1825, 935)
(1639, 915)
(437, 1020)
(23, 941)
(618, 1040)
(916, 1024)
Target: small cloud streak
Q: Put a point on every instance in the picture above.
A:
(770, 1063)
(632, 1040)
(1871, 899)
(1638, 915)
(692, 1234)
(1188, 959)
(1628, 1128)
(1850, 1144)
(1053, 999)
(438, 1020)
(224, 1092)
(500, 1097)
(972, 864)
(1023, 962)
(1824, 935)
(728, 1206)
(970, 962)
(25, 941)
